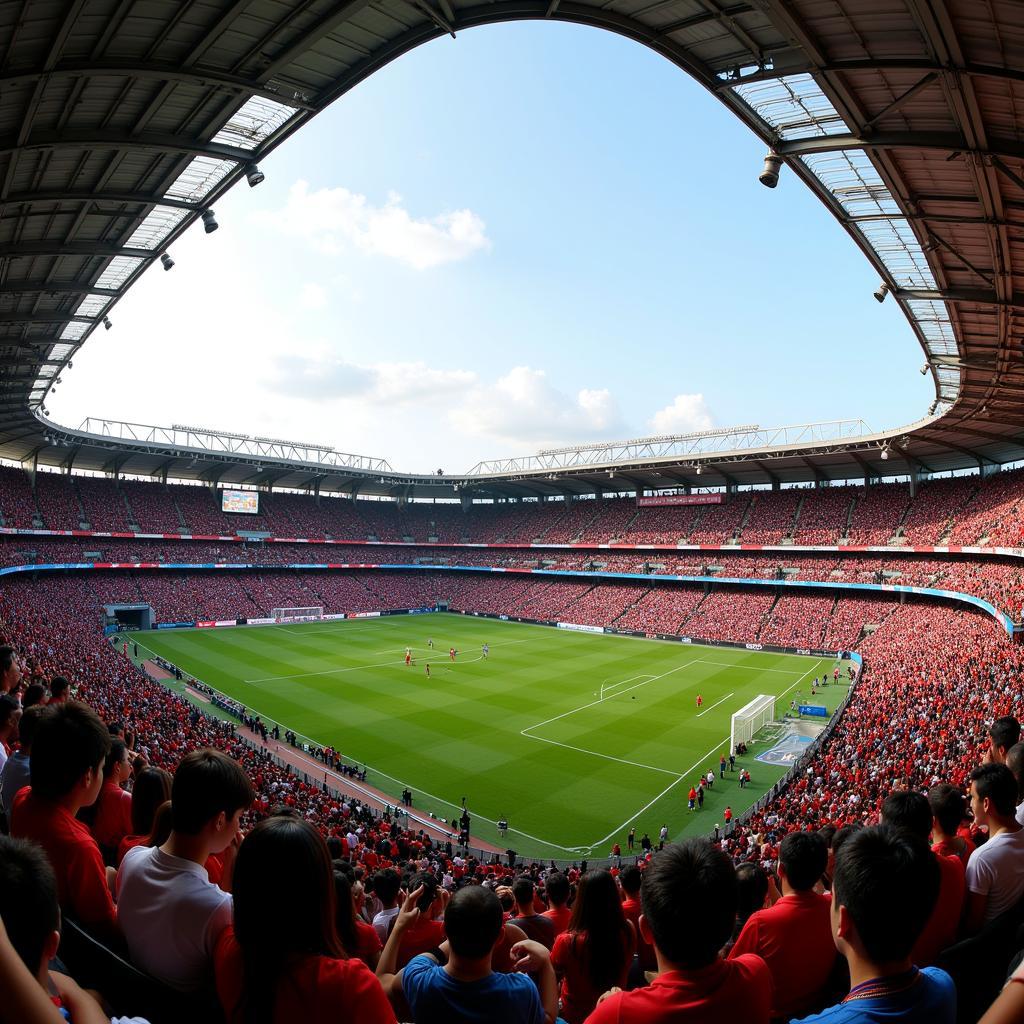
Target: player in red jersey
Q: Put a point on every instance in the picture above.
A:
(700, 700)
(451, 653)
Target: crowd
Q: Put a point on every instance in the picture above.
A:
(391, 923)
(961, 510)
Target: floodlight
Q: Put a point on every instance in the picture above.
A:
(209, 222)
(70, 364)
(166, 261)
(885, 454)
(107, 323)
(253, 175)
(769, 176)
(925, 369)
(700, 469)
(881, 292)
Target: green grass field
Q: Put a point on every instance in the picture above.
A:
(573, 737)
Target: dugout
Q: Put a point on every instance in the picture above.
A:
(128, 616)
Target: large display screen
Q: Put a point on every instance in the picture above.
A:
(240, 501)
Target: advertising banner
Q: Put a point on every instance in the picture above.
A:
(652, 500)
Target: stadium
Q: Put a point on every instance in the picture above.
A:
(615, 730)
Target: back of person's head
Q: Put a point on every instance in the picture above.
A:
(631, 879)
(557, 888)
(386, 884)
(284, 906)
(33, 695)
(887, 880)
(59, 688)
(689, 902)
(751, 889)
(995, 783)
(473, 921)
(115, 755)
(344, 907)
(803, 857)
(1015, 762)
(1004, 732)
(70, 740)
(206, 784)
(948, 807)
(152, 789)
(28, 900)
(9, 710)
(7, 659)
(597, 913)
(29, 725)
(522, 891)
(430, 887)
(909, 810)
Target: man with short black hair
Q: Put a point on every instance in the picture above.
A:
(995, 872)
(794, 936)
(631, 880)
(386, 886)
(907, 810)
(535, 926)
(1003, 733)
(60, 690)
(883, 891)
(1015, 762)
(558, 913)
(66, 767)
(466, 988)
(10, 670)
(689, 897)
(170, 883)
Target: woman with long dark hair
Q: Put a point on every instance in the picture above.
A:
(358, 938)
(151, 811)
(282, 961)
(594, 954)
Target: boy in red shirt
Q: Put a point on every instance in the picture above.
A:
(557, 889)
(689, 904)
(68, 752)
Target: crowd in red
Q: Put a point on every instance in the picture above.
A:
(960, 510)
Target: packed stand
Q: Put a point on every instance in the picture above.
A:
(103, 504)
(58, 502)
(772, 516)
(936, 503)
(17, 503)
(824, 515)
(877, 513)
(152, 507)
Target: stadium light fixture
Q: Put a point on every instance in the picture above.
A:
(107, 323)
(769, 176)
(254, 175)
(881, 291)
(209, 222)
(165, 261)
(925, 369)
(700, 469)
(885, 453)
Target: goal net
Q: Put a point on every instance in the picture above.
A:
(297, 614)
(750, 719)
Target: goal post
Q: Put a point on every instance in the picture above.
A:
(311, 614)
(750, 719)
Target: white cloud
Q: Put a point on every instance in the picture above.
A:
(685, 414)
(330, 218)
(313, 296)
(524, 408)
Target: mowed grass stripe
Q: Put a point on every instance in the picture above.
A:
(460, 732)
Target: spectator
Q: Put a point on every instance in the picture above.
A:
(946, 803)
(31, 914)
(995, 871)
(689, 904)
(793, 937)
(466, 988)
(66, 763)
(281, 960)
(60, 690)
(170, 882)
(1015, 762)
(10, 670)
(386, 887)
(558, 912)
(884, 888)
(113, 819)
(594, 954)
(427, 931)
(631, 881)
(536, 926)
(16, 774)
(752, 885)
(35, 693)
(151, 811)
(358, 938)
(910, 811)
(1003, 733)
(10, 714)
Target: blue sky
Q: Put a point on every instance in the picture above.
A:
(532, 234)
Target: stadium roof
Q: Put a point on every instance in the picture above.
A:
(123, 121)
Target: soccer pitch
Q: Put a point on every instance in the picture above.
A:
(572, 737)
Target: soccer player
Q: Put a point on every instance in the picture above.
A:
(430, 643)
(451, 653)
(486, 650)
(700, 701)
(691, 799)
(428, 671)
(408, 656)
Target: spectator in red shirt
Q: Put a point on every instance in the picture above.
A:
(689, 903)
(151, 811)
(68, 752)
(910, 811)
(948, 809)
(631, 881)
(60, 690)
(558, 889)
(595, 953)
(281, 961)
(358, 938)
(794, 936)
(113, 819)
(427, 931)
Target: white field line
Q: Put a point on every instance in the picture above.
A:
(701, 714)
(606, 757)
(801, 679)
(605, 687)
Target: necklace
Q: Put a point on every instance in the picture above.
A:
(879, 988)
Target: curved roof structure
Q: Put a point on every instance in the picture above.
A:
(123, 121)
